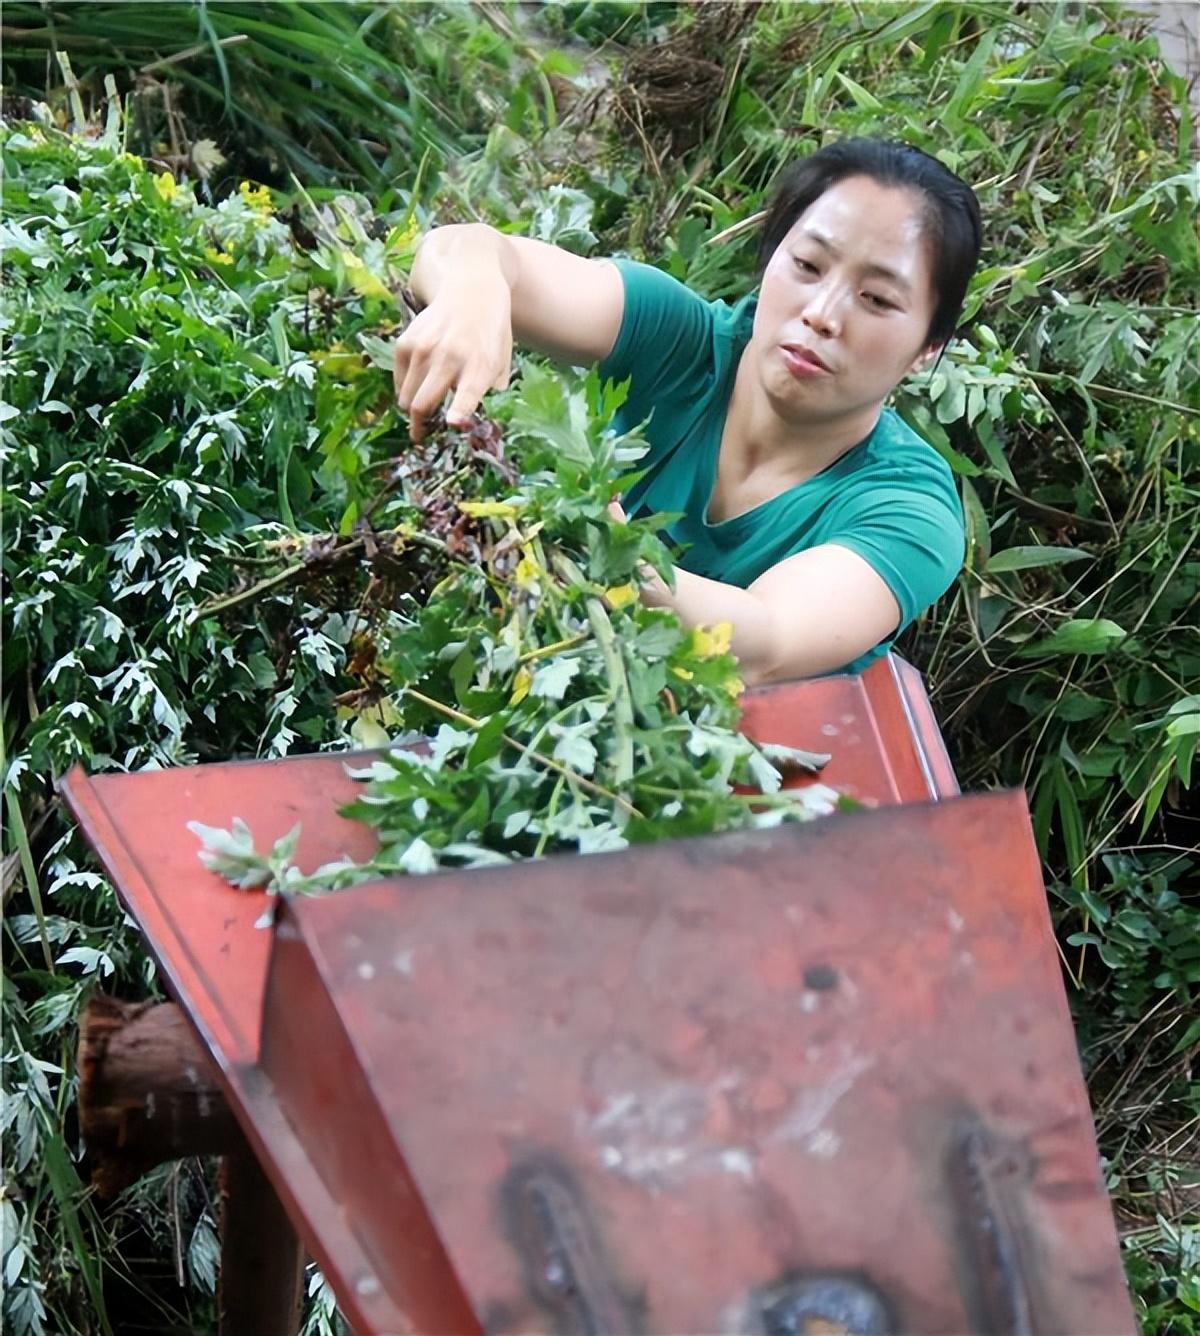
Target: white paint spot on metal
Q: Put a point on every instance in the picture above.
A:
(616, 1110)
(402, 962)
(735, 1160)
(192, 1074)
(366, 1286)
(149, 1104)
(610, 1157)
(830, 730)
(955, 920)
(809, 1000)
(823, 1143)
(817, 1102)
(848, 718)
(366, 970)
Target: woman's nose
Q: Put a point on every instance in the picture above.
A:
(821, 312)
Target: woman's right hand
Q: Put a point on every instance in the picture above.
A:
(484, 289)
(461, 342)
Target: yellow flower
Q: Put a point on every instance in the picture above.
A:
(734, 686)
(400, 239)
(527, 573)
(257, 198)
(684, 674)
(709, 641)
(166, 185)
(481, 510)
(521, 685)
(620, 596)
(362, 280)
(216, 256)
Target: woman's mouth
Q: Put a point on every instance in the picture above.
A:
(803, 364)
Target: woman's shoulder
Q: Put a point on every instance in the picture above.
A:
(896, 466)
(672, 340)
(898, 450)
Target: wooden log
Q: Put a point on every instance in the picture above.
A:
(148, 1091)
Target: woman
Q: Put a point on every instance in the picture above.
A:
(814, 520)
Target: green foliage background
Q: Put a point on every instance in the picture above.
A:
(186, 380)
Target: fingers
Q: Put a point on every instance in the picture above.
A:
(427, 398)
(471, 389)
(616, 510)
(429, 361)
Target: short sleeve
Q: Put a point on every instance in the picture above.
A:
(665, 341)
(915, 542)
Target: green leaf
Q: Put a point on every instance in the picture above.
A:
(548, 411)
(972, 79)
(1027, 558)
(573, 746)
(551, 680)
(862, 99)
(1081, 635)
(488, 741)
(979, 535)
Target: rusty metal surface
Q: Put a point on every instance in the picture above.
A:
(200, 929)
(708, 1086)
(878, 728)
(757, 1083)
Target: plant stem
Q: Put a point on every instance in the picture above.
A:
(621, 699)
(551, 812)
(1059, 377)
(548, 761)
(544, 651)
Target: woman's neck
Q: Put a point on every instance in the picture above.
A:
(757, 438)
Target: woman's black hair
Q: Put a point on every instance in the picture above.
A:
(952, 220)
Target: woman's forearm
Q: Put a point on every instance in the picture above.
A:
(811, 613)
(701, 602)
(462, 254)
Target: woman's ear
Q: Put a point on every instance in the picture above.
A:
(925, 356)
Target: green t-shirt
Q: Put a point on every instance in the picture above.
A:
(891, 498)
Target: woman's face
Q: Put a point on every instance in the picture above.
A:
(845, 304)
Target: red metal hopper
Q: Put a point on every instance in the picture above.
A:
(815, 1079)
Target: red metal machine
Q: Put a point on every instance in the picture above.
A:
(804, 1081)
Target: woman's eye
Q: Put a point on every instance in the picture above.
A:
(804, 266)
(880, 303)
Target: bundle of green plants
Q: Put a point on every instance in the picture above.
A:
(358, 93)
(328, 92)
(500, 619)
